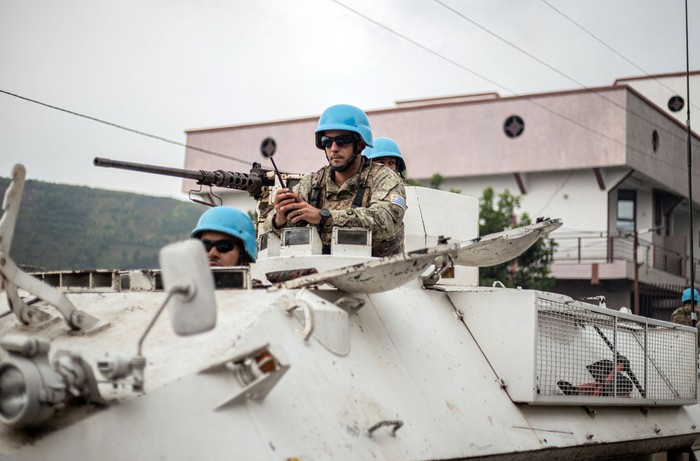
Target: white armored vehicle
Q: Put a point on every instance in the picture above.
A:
(334, 357)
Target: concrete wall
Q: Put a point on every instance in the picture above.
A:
(462, 139)
(573, 196)
(668, 165)
(660, 88)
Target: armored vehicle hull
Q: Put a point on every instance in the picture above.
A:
(373, 359)
(401, 377)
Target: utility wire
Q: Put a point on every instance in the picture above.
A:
(531, 56)
(554, 193)
(142, 133)
(611, 48)
(457, 64)
(528, 99)
(415, 43)
(422, 47)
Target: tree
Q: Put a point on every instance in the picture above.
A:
(529, 270)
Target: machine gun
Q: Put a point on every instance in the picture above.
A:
(259, 183)
(253, 183)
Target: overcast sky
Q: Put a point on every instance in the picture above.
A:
(165, 66)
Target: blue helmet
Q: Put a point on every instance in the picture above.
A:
(232, 222)
(386, 147)
(686, 296)
(347, 118)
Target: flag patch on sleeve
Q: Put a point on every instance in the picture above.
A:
(397, 199)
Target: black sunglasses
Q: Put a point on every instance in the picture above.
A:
(222, 246)
(340, 141)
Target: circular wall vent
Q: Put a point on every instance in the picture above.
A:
(675, 103)
(514, 126)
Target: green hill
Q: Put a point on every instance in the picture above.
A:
(63, 227)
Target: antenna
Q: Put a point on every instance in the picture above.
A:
(693, 304)
(267, 149)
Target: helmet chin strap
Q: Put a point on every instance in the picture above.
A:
(350, 163)
(347, 166)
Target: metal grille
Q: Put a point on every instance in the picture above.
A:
(593, 355)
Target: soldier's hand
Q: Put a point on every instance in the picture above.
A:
(305, 212)
(286, 205)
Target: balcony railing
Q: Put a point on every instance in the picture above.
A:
(601, 247)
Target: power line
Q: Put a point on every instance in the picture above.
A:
(423, 47)
(611, 48)
(142, 133)
(426, 49)
(528, 99)
(457, 64)
(531, 56)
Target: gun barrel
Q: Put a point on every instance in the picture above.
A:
(144, 168)
(229, 179)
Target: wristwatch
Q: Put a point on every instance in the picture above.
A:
(325, 216)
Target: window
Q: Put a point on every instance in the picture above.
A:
(655, 140)
(626, 210)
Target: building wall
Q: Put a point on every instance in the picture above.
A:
(457, 139)
(668, 165)
(660, 88)
(604, 128)
(573, 196)
(567, 134)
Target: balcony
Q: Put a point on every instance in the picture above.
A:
(653, 257)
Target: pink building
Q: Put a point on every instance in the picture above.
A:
(609, 161)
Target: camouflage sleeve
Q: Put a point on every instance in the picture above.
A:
(387, 206)
(674, 316)
(683, 316)
(303, 189)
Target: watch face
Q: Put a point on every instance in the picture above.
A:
(325, 216)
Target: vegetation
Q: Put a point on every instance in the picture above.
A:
(497, 213)
(63, 227)
(529, 270)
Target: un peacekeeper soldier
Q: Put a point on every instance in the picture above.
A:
(228, 236)
(386, 152)
(683, 313)
(351, 191)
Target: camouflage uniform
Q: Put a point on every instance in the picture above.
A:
(381, 208)
(682, 316)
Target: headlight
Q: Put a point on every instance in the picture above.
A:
(13, 392)
(29, 388)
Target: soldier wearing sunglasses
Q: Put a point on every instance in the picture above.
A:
(228, 236)
(350, 191)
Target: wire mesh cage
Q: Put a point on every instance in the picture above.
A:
(596, 356)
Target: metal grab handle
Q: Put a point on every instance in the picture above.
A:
(395, 422)
(308, 317)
